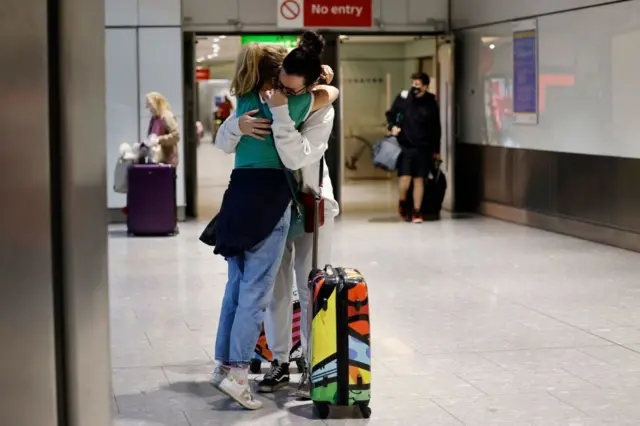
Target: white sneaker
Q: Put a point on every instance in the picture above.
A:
(236, 385)
(218, 375)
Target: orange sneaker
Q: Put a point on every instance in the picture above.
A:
(417, 217)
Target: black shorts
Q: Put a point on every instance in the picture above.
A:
(414, 162)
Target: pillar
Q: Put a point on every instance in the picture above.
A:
(143, 54)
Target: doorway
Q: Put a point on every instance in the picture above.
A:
(374, 70)
(371, 71)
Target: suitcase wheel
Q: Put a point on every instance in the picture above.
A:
(365, 410)
(325, 304)
(322, 410)
(256, 366)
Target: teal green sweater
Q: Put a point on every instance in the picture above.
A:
(252, 153)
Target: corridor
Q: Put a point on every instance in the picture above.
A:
(475, 322)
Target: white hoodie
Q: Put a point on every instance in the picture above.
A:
(299, 150)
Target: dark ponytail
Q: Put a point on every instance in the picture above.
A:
(306, 59)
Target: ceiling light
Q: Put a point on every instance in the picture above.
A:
(344, 37)
(216, 40)
(223, 37)
(210, 56)
(492, 46)
(216, 47)
(215, 55)
(200, 59)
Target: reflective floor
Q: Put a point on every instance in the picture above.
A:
(475, 322)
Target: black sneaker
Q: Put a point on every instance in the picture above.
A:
(276, 379)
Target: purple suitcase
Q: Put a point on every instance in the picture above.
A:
(151, 200)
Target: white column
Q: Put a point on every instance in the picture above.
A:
(122, 100)
(160, 70)
(143, 54)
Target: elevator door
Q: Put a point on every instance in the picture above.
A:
(446, 85)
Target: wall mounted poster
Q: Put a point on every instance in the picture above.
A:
(525, 72)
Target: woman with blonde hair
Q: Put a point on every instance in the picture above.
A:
(163, 129)
(257, 212)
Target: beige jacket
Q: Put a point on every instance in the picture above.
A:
(168, 140)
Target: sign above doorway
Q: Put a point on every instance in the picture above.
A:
(289, 41)
(299, 14)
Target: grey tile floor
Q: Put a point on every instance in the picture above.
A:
(475, 322)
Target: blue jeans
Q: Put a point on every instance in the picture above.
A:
(248, 294)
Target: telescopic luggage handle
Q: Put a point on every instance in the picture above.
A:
(316, 216)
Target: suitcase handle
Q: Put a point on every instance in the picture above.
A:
(316, 220)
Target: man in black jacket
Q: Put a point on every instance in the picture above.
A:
(414, 118)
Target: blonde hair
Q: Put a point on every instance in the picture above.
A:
(159, 103)
(257, 64)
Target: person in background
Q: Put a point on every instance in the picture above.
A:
(199, 132)
(163, 134)
(414, 118)
(163, 129)
(302, 150)
(253, 223)
(223, 109)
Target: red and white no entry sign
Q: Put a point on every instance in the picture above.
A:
(299, 14)
(290, 9)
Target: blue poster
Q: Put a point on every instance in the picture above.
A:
(525, 72)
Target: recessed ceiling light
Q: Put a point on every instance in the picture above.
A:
(223, 37)
(215, 40)
(210, 56)
(216, 48)
(215, 55)
(200, 59)
(492, 46)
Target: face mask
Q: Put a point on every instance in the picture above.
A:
(415, 91)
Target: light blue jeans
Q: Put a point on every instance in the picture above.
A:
(247, 296)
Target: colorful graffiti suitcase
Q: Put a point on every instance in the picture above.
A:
(340, 341)
(263, 353)
(151, 200)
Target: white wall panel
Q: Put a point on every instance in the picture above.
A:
(121, 13)
(122, 100)
(160, 68)
(250, 13)
(160, 62)
(588, 84)
(478, 12)
(421, 10)
(217, 12)
(394, 12)
(159, 12)
(403, 12)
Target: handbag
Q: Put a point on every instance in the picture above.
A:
(386, 153)
(296, 227)
(121, 176)
(208, 236)
(309, 202)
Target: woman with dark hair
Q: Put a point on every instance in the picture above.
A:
(301, 149)
(256, 214)
(303, 65)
